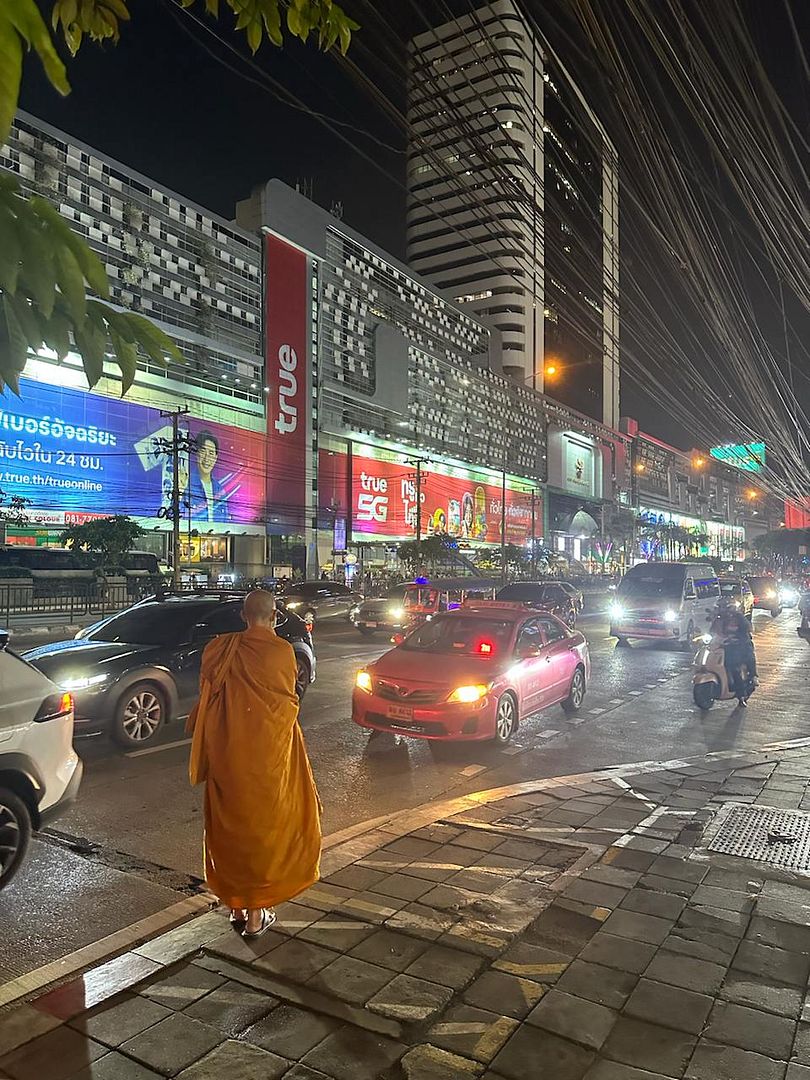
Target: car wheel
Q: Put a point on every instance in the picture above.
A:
(139, 715)
(15, 834)
(366, 631)
(688, 642)
(302, 676)
(622, 643)
(571, 621)
(703, 695)
(506, 719)
(576, 694)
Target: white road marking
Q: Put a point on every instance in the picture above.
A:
(473, 770)
(617, 701)
(636, 693)
(157, 749)
(596, 712)
(548, 733)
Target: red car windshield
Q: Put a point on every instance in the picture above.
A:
(464, 637)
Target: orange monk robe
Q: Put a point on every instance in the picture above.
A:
(262, 812)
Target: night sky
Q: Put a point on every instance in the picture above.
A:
(160, 103)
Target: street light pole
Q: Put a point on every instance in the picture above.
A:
(503, 522)
(534, 541)
(174, 451)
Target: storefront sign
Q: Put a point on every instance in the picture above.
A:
(77, 456)
(574, 464)
(289, 458)
(750, 457)
(454, 501)
(652, 465)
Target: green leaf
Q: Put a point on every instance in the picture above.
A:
(89, 263)
(254, 35)
(10, 252)
(127, 356)
(90, 344)
(57, 333)
(11, 54)
(28, 320)
(71, 282)
(38, 273)
(24, 14)
(14, 349)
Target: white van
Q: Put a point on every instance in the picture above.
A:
(673, 601)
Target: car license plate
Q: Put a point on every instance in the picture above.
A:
(371, 625)
(400, 712)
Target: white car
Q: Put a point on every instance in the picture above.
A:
(40, 771)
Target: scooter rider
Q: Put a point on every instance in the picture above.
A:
(804, 609)
(734, 629)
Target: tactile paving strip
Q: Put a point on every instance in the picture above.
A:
(764, 833)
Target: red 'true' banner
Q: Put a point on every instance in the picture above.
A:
(288, 414)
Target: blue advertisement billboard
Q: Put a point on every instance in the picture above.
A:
(750, 457)
(73, 455)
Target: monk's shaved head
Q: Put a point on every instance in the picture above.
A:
(259, 608)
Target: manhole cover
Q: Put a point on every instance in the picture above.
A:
(763, 833)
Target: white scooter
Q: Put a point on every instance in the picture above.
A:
(710, 678)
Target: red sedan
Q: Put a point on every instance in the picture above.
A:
(474, 673)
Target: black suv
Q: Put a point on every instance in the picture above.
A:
(134, 672)
(549, 595)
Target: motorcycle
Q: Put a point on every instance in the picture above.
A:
(709, 676)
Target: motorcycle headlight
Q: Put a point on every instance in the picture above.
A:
(769, 594)
(706, 639)
(397, 612)
(670, 615)
(293, 604)
(363, 681)
(82, 682)
(616, 611)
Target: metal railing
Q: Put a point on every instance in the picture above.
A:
(74, 600)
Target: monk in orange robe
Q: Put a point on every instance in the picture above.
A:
(262, 813)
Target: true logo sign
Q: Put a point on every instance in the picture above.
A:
(287, 419)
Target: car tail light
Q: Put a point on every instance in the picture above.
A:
(54, 707)
(485, 648)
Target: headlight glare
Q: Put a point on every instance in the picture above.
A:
(82, 682)
(397, 612)
(616, 610)
(363, 681)
(466, 695)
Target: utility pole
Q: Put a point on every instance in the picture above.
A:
(418, 462)
(174, 448)
(534, 540)
(503, 522)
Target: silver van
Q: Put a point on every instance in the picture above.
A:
(673, 601)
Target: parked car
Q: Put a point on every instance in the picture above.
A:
(473, 674)
(549, 595)
(575, 593)
(316, 600)
(136, 671)
(766, 594)
(381, 613)
(738, 592)
(40, 772)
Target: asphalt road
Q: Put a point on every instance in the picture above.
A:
(132, 842)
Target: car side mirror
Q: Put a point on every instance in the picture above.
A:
(397, 639)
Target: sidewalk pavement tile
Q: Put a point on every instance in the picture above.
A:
(115, 1066)
(357, 878)
(604, 985)
(291, 1032)
(303, 1072)
(410, 1000)
(296, 959)
(56, 1055)
(783, 934)
(620, 953)
(710, 896)
(291, 917)
(671, 1006)
(352, 1054)
(797, 1072)
(702, 944)
(776, 907)
(325, 897)
(475, 879)
(389, 949)
(751, 1029)
(749, 990)
(715, 920)
(122, 1019)
(336, 931)
(637, 927)
(649, 1046)
(237, 1061)
(611, 875)
(477, 839)
(421, 921)
(499, 992)
(801, 1049)
(783, 890)
(562, 931)
(714, 1062)
(352, 980)
(232, 1008)
(595, 893)
(476, 1033)
(439, 831)
(235, 947)
(413, 848)
(738, 880)
(668, 885)
(648, 902)
(401, 887)
(448, 967)
(771, 964)
(532, 962)
(21, 1025)
(627, 859)
(371, 907)
(432, 1063)
(665, 866)
(448, 897)
(534, 1054)
(96, 985)
(172, 1044)
(615, 1070)
(686, 972)
(573, 1018)
(180, 988)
